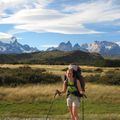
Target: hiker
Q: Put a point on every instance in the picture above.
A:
(73, 92)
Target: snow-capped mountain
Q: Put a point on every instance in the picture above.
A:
(15, 47)
(105, 48)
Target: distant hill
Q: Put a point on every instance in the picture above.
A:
(53, 57)
(15, 47)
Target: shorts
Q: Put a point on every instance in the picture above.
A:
(73, 101)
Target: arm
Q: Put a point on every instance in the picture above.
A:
(64, 87)
(79, 87)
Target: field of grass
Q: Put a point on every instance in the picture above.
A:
(103, 102)
(58, 69)
(34, 101)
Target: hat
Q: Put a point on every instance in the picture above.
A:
(74, 67)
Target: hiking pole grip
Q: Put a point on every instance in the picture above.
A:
(58, 92)
(84, 96)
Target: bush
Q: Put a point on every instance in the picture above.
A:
(87, 70)
(112, 63)
(92, 78)
(109, 78)
(65, 69)
(98, 70)
(26, 75)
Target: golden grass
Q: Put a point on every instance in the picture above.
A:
(40, 92)
(28, 92)
(53, 67)
(103, 93)
(57, 69)
(34, 66)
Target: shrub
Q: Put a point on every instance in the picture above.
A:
(109, 78)
(92, 78)
(112, 63)
(98, 70)
(26, 75)
(87, 70)
(112, 78)
(65, 69)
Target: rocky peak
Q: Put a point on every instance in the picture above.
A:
(65, 46)
(76, 47)
(15, 47)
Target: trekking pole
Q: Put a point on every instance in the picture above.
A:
(84, 96)
(51, 104)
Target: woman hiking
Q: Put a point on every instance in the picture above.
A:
(72, 86)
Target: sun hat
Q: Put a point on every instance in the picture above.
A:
(72, 66)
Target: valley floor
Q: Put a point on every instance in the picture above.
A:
(32, 102)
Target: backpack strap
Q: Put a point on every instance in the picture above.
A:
(75, 83)
(66, 80)
(80, 95)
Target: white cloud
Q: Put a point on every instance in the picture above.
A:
(15, 31)
(64, 29)
(33, 16)
(36, 17)
(20, 4)
(5, 36)
(97, 11)
(43, 20)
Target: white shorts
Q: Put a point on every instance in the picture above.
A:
(73, 101)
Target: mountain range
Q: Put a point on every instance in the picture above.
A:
(15, 47)
(104, 48)
(65, 53)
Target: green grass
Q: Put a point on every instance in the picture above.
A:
(40, 109)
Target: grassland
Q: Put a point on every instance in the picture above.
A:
(103, 102)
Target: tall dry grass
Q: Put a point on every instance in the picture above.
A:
(103, 93)
(30, 93)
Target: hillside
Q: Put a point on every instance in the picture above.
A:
(53, 57)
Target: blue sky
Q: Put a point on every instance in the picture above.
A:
(46, 23)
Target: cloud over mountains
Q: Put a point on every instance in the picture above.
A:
(39, 16)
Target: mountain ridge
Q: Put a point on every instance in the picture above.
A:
(14, 47)
(104, 48)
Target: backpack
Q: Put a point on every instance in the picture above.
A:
(78, 76)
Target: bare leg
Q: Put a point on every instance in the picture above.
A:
(75, 113)
(71, 113)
